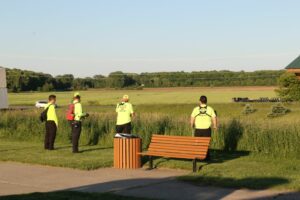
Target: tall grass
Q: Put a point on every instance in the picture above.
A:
(254, 133)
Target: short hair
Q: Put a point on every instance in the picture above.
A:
(203, 99)
(51, 97)
(77, 97)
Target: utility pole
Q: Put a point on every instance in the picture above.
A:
(3, 89)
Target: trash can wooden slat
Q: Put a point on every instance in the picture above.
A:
(126, 153)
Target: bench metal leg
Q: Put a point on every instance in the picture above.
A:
(150, 162)
(195, 165)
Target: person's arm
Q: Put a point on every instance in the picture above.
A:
(132, 113)
(193, 118)
(117, 107)
(192, 122)
(214, 120)
(51, 110)
(78, 111)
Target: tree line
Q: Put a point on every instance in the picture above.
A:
(23, 80)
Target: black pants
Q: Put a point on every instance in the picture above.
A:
(50, 135)
(124, 128)
(76, 131)
(204, 133)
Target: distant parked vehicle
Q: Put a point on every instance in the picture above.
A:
(41, 104)
(259, 100)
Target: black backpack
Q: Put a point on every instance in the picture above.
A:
(203, 111)
(43, 116)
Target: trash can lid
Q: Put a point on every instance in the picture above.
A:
(125, 135)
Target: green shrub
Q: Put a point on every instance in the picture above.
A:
(248, 109)
(278, 110)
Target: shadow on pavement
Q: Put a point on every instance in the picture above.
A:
(172, 189)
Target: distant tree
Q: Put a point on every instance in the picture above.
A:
(289, 87)
(23, 80)
(64, 82)
(47, 87)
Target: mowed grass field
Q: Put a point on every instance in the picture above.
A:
(147, 95)
(264, 151)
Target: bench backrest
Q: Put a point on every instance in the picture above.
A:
(179, 146)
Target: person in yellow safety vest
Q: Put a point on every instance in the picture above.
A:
(203, 118)
(77, 123)
(125, 114)
(51, 123)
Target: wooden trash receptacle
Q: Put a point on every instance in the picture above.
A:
(126, 153)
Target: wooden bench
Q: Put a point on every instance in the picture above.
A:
(184, 147)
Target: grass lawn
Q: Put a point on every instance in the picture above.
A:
(91, 157)
(68, 196)
(148, 95)
(166, 110)
(238, 170)
(241, 170)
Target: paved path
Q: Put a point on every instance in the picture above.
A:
(16, 178)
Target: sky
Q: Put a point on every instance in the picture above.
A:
(88, 37)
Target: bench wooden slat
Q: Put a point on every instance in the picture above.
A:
(174, 155)
(179, 148)
(179, 143)
(176, 140)
(172, 143)
(195, 139)
(178, 151)
(180, 137)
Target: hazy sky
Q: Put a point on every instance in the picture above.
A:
(87, 37)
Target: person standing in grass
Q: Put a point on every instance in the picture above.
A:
(77, 122)
(203, 119)
(125, 114)
(51, 123)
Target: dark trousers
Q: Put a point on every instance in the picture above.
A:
(124, 128)
(50, 135)
(204, 133)
(76, 131)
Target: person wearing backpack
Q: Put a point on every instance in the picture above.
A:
(76, 123)
(51, 123)
(203, 119)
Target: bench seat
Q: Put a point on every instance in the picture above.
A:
(183, 147)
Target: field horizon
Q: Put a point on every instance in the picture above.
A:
(170, 95)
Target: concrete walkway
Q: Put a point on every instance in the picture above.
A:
(16, 178)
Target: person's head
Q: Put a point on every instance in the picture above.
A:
(203, 99)
(76, 96)
(52, 99)
(125, 98)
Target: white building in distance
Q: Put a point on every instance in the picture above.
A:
(3, 89)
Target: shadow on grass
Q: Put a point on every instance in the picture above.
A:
(219, 156)
(216, 156)
(95, 149)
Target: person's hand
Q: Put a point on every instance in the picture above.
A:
(215, 128)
